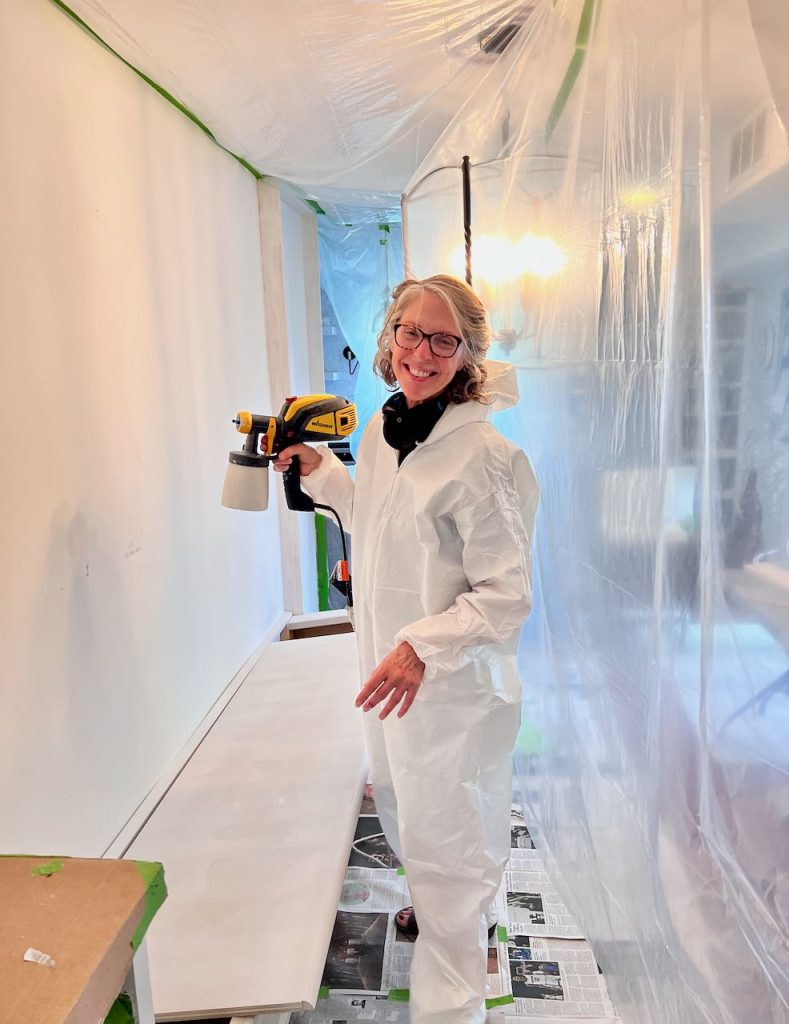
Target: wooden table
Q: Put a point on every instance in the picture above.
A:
(72, 937)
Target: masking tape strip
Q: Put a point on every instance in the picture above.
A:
(399, 995)
(323, 992)
(501, 933)
(160, 89)
(152, 873)
(47, 870)
(401, 871)
(499, 1001)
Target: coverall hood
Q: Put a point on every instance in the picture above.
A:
(501, 392)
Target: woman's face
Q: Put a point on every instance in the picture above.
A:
(420, 374)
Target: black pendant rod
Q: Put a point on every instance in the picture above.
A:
(466, 168)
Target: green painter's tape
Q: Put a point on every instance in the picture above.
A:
(399, 995)
(501, 933)
(47, 870)
(574, 67)
(121, 1011)
(152, 874)
(316, 207)
(401, 871)
(323, 992)
(158, 88)
(322, 564)
(499, 1001)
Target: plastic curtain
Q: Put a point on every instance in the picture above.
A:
(360, 265)
(630, 177)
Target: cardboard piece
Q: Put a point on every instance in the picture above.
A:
(84, 917)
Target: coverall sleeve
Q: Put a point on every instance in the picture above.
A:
(331, 484)
(496, 534)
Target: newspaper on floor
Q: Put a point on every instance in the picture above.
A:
(500, 1017)
(367, 955)
(551, 979)
(345, 1009)
(531, 906)
(374, 889)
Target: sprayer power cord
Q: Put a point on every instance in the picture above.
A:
(328, 508)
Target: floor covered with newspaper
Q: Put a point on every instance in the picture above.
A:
(539, 966)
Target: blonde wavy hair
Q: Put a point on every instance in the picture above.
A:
(471, 319)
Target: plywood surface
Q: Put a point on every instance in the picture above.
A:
(83, 917)
(254, 836)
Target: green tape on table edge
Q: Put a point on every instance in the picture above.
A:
(47, 870)
(121, 1011)
(501, 933)
(499, 1001)
(399, 995)
(401, 871)
(324, 992)
(152, 873)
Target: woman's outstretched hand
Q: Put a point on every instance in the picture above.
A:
(398, 677)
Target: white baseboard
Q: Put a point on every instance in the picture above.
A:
(123, 840)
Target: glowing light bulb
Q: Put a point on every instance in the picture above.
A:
(497, 260)
(541, 257)
(639, 198)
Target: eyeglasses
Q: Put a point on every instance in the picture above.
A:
(409, 337)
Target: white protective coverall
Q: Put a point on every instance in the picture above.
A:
(441, 559)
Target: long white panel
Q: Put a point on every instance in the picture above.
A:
(254, 837)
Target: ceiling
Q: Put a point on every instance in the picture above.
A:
(350, 94)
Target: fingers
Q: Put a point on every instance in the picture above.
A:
(409, 699)
(369, 688)
(394, 700)
(381, 692)
(285, 457)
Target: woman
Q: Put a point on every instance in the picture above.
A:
(441, 517)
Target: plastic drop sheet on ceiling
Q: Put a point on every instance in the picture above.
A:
(630, 216)
(346, 92)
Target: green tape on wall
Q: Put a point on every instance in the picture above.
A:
(158, 88)
(322, 563)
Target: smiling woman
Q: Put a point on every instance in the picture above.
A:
(441, 512)
(424, 349)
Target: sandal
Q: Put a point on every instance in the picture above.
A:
(405, 923)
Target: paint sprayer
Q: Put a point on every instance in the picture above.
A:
(309, 418)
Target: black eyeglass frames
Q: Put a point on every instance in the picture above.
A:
(410, 337)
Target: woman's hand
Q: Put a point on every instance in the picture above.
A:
(309, 459)
(398, 677)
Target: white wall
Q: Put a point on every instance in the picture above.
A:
(131, 329)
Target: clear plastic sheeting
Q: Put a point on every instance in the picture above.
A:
(345, 94)
(630, 226)
(360, 265)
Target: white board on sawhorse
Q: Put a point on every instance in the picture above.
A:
(254, 836)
